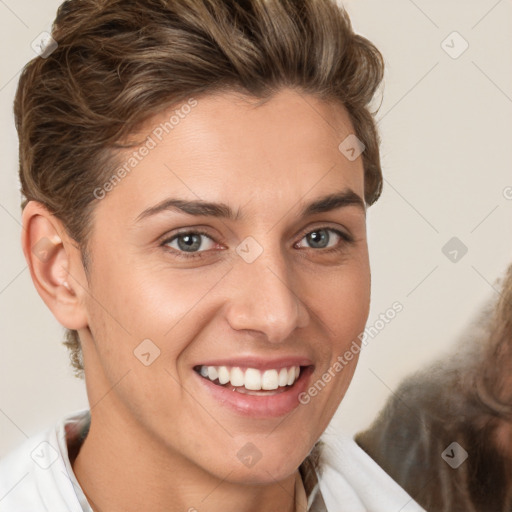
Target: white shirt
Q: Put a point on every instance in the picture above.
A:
(37, 476)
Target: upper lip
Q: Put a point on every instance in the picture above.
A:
(259, 363)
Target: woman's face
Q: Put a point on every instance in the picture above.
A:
(183, 295)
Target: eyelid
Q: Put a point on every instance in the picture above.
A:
(345, 233)
(166, 239)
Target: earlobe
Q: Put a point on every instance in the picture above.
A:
(55, 265)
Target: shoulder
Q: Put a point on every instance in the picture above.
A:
(34, 477)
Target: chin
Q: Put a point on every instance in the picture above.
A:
(262, 473)
(264, 465)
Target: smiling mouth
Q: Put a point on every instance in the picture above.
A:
(251, 381)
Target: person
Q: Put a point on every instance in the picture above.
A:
(196, 176)
(446, 433)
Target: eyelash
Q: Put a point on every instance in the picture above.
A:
(348, 239)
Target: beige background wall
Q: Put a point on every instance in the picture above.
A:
(446, 125)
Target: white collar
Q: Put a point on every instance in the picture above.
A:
(349, 476)
(38, 475)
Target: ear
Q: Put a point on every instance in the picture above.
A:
(55, 265)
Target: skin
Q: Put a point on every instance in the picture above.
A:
(157, 441)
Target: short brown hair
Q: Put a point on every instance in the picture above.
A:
(118, 62)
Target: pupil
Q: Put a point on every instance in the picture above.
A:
(319, 240)
(189, 242)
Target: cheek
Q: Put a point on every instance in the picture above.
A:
(175, 306)
(152, 300)
(343, 310)
(345, 303)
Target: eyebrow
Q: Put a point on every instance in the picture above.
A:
(342, 199)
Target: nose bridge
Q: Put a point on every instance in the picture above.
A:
(265, 299)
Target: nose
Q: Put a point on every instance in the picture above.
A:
(265, 299)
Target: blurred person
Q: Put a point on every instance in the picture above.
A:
(464, 398)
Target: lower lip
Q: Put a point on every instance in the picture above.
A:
(254, 406)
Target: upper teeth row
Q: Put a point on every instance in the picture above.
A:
(253, 378)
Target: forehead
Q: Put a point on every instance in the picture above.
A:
(236, 149)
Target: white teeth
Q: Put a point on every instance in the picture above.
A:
(269, 380)
(212, 372)
(291, 376)
(237, 377)
(252, 378)
(283, 376)
(223, 375)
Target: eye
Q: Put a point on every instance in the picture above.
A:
(322, 239)
(190, 242)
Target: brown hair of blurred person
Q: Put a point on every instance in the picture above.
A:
(465, 398)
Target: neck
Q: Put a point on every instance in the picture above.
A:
(119, 468)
